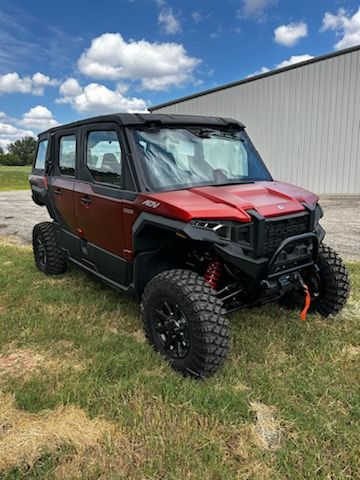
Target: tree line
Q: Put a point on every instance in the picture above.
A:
(21, 152)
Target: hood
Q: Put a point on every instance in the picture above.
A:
(230, 202)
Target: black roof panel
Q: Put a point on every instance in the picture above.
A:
(148, 118)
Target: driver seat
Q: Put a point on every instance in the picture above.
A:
(110, 163)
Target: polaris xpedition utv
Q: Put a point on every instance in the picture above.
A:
(182, 211)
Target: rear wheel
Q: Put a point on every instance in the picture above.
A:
(329, 288)
(49, 258)
(184, 320)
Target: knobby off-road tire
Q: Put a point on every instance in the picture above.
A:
(197, 315)
(49, 258)
(334, 285)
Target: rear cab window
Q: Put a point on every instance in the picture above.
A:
(41, 155)
(67, 155)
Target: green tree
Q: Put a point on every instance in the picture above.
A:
(24, 149)
(1, 151)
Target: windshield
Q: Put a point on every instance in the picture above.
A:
(176, 158)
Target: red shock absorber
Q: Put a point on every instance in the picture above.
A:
(213, 273)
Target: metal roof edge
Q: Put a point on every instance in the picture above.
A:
(256, 77)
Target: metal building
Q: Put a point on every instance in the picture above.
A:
(304, 119)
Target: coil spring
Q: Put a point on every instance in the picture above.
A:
(213, 272)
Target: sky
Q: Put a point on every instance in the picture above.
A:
(62, 61)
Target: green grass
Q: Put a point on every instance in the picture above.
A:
(14, 178)
(307, 373)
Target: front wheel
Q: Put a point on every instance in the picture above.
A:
(184, 320)
(331, 284)
(48, 256)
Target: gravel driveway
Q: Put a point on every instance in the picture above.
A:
(18, 214)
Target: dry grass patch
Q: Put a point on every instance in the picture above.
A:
(236, 387)
(159, 372)
(352, 351)
(267, 430)
(88, 448)
(26, 437)
(239, 450)
(6, 240)
(53, 281)
(8, 263)
(240, 387)
(276, 354)
(25, 362)
(20, 362)
(139, 335)
(112, 328)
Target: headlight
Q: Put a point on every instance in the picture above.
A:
(221, 230)
(318, 213)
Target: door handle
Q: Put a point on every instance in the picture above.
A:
(86, 201)
(57, 191)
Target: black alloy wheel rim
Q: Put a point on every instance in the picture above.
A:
(172, 329)
(41, 251)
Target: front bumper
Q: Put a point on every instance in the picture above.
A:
(265, 280)
(293, 254)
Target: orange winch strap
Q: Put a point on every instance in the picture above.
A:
(307, 303)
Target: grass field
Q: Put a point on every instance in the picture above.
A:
(14, 178)
(82, 395)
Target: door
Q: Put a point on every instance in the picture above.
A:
(98, 198)
(61, 186)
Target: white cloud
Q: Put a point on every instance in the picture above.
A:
(285, 63)
(13, 83)
(170, 23)
(254, 8)
(70, 88)
(259, 72)
(294, 59)
(40, 81)
(9, 133)
(2, 114)
(99, 99)
(8, 130)
(39, 118)
(157, 65)
(290, 34)
(122, 87)
(344, 25)
(163, 83)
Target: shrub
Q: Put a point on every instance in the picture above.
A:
(12, 160)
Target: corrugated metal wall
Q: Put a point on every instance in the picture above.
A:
(305, 122)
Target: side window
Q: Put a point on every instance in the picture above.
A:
(103, 157)
(41, 155)
(67, 155)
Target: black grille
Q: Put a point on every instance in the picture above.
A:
(276, 231)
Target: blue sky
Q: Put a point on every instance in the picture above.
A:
(61, 61)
